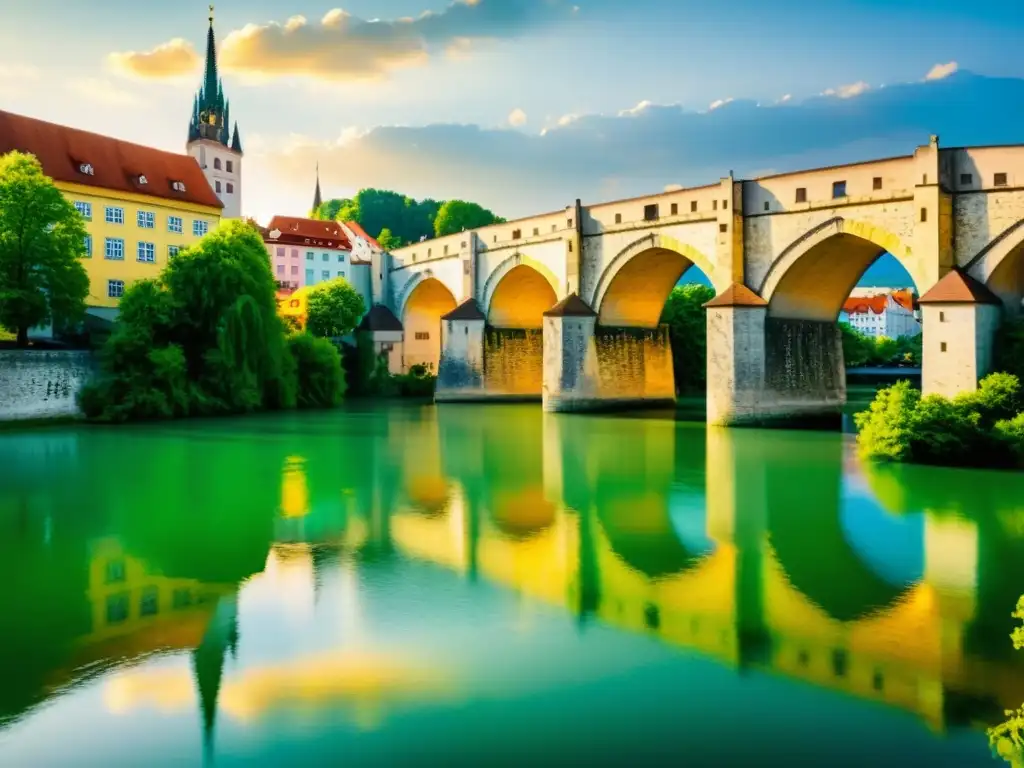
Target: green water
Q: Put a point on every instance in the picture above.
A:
(495, 586)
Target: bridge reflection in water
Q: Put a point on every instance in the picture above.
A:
(766, 551)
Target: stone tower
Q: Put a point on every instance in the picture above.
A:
(211, 141)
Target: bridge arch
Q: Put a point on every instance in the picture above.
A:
(632, 290)
(426, 300)
(1000, 265)
(518, 292)
(814, 275)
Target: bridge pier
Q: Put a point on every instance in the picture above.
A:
(762, 368)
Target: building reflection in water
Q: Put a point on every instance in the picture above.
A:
(889, 584)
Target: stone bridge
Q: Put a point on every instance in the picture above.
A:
(564, 307)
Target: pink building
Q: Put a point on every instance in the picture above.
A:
(305, 252)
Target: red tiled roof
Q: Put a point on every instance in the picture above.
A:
(295, 231)
(359, 231)
(737, 295)
(959, 288)
(876, 304)
(117, 165)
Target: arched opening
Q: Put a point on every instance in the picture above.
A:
(843, 319)
(427, 303)
(520, 299)
(514, 344)
(652, 331)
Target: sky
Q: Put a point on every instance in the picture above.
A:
(525, 105)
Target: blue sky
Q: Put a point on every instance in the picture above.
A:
(525, 105)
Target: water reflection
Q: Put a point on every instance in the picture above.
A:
(376, 567)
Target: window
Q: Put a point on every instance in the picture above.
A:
(876, 183)
(725, 205)
(714, 205)
(280, 253)
(801, 194)
(280, 270)
(114, 215)
(85, 209)
(767, 205)
(517, 234)
(143, 180)
(295, 269)
(966, 179)
(146, 219)
(146, 252)
(422, 335)
(693, 206)
(325, 274)
(942, 317)
(178, 186)
(216, 164)
(174, 224)
(1000, 180)
(87, 169)
(87, 246)
(839, 662)
(674, 210)
(230, 188)
(536, 231)
(838, 189)
(172, 251)
(942, 346)
(117, 608)
(924, 214)
(618, 218)
(325, 257)
(115, 571)
(445, 249)
(115, 289)
(651, 212)
(341, 274)
(341, 258)
(200, 228)
(309, 255)
(877, 681)
(295, 253)
(570, 246)
(149, 602)
(568, 223)
(230, 167)
(723, 227)
(114, 249)
(309, 277)
(216, 187)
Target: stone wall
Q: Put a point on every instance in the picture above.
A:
(514, 362)
(42, 384)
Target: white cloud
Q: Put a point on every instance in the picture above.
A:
(643, 105)
(941, 71)
(173, 59)
(848, 91)
(719, 103)
(517, 117)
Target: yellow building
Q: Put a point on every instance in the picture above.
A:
(141, 205)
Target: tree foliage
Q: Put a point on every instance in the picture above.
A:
(388, 241)
(333, 309)
(861, 350)
(405, 219)
(42, 238)
(684, 315)
(1007, 738)
(321, 380)
(458, 215)
(204, 338)
(981, 428)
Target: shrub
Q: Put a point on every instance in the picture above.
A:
(886, 427)
(321, 380)
(333, 309)
(997, 398)
(1010, 432)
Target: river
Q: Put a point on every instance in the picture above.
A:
(465, 585)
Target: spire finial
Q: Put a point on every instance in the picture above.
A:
(211, 14)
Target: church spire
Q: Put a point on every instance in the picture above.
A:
(210, 81)
(317, 200)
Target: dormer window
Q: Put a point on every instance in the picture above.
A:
(143, 180)
(178, 186)
(87, 169)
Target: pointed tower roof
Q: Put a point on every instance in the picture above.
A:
(959, 288)
(236, 143)
(317, 199)
(571, 306)
(737, 295)
(210, 80)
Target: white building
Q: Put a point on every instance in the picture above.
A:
(886, 313)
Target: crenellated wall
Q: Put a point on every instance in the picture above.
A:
(36, 384)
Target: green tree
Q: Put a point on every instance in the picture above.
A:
(321, 379)
(328, 210)
(458, 215)
(388, 241)
(42, 237)
(334, 309)
(684, 315)
(1007, 738)
(858, 347)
